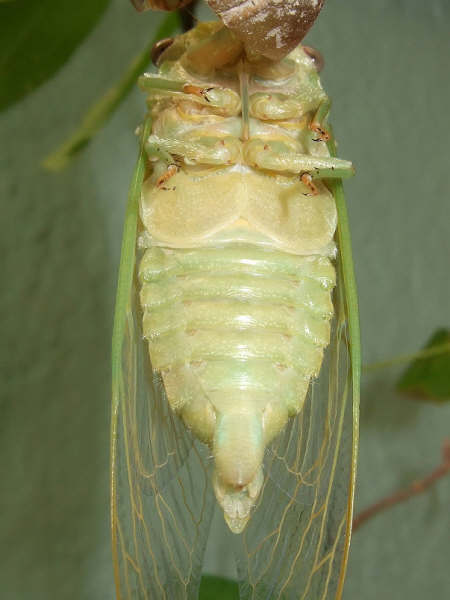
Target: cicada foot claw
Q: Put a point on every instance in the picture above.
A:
(170, 172)
(307, 180)
(197, 91)
(322, 134)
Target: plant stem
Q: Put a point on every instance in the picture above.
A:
(102, 109)
(404, 358)
(416, 488)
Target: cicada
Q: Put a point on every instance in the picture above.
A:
(235, 349)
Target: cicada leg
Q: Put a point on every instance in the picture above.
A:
(225, 100)
(166, 166)
(203, 150)
(317, 124)
(171, 170)
(307, 180)
(263, 155)
(279, 106)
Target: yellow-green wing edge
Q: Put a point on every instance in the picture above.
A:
(351, 300)
(121, 312)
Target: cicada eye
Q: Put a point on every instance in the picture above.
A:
(317, 57)
(159, 48)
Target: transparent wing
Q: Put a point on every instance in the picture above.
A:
(296, 543)
(161, 497)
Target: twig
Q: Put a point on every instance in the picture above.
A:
(417, 487)
(436, 350)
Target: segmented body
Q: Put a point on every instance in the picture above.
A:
(237, 271)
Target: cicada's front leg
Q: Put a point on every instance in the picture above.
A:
(171, 153)
(226, 101)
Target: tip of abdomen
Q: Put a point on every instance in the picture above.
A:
(238, 452)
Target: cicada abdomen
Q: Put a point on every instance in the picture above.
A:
(238, 236)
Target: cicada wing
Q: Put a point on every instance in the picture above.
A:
(162, 500)
(296, 543)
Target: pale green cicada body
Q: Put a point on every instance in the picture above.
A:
(236, 355)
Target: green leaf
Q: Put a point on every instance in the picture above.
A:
(218, 588)
(428, 376)
(36, 39)
(99, 112)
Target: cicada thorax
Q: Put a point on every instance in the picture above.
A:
(237, 275)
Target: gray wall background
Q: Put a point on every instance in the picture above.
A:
(387, 72)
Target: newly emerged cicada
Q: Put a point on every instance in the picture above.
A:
(235, 352)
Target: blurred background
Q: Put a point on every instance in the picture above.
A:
(387, 65)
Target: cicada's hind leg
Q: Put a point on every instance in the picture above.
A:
(172, 153)
(264, 155)
(202, 150)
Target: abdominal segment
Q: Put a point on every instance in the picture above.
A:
(237, 333)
